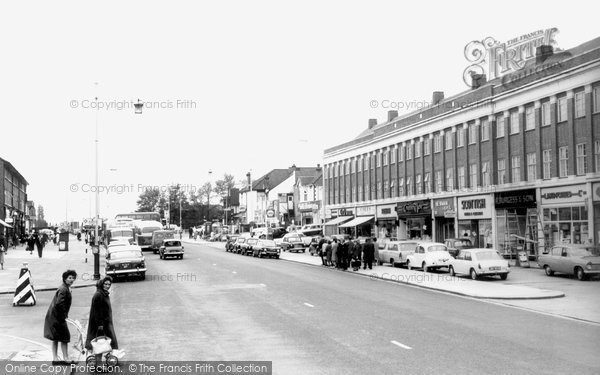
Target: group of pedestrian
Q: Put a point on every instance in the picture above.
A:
(100, 318)
(344, 253)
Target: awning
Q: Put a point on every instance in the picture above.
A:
(357, 221)
(338, 220)
(2, 222)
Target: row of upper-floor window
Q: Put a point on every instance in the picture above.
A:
(478, 176)
(469, 134)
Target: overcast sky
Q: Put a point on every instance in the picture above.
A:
(230, 86)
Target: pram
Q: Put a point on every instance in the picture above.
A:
(101, 348)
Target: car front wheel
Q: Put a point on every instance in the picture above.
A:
(579, 274)
(473, 274)
(504, 276)
(452, 273)
(548, 270)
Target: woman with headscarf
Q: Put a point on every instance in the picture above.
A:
(55, 324)
(101, 315)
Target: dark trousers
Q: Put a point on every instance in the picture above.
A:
(40, 248)
(368, 263)
(323, 259)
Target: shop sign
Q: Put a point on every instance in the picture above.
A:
(334, 213)
(564, 194)
(365, 211)
(270, 213)
(346, 212)
(387, 211)
(328, 213)
(514, 199)
(596, 191)
(308, 206)
(444, 207)
(415, 208)
(475, 207)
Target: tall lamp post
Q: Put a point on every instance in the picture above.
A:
(208, 196)
(96, 251)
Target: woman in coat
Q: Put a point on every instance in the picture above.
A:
(101, 315)
(55, 324)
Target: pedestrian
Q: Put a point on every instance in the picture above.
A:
(2, 239)
(30, 243)
(39, 243)
(321, 248)
(191, 232)
(334, 253)
(329, 253)
(356, 255)
(15, 240)
(55, 323)
(343, 254)
(100, 322)
(368, 250)
(2, 251)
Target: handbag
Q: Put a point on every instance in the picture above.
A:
(101, 344)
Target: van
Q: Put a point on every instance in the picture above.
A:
(144, 230)
(157, 239)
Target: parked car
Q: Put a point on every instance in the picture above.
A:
(171, 248)
(237, 246)
(429, 255)
(456, 244)
(247, 247)
(312, 230)
(395, 252)
(126, 261)
(157, 238)
(230, 244)
(579, 260)
(479, 262)
(119, 234)
(293, 242)
(116, 245)
(266, 248)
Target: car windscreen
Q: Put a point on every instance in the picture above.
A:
(487, 255)
(408, 246)
(436, 248)
(125, 254)
(172, 243)
(121, 233)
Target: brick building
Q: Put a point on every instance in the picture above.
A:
(12, 201)
(510, 162)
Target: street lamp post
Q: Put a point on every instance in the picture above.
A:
(208, 197)
(96, 243)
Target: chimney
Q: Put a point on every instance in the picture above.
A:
(392, 115)
(249, 180)
(478, 80)
(438, 96)
(319, 168)
(542, 53)
(293, 167)
(372, 123)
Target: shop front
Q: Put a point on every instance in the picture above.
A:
(363, 225)
(517, 221)
(309, 212)
(336, 218)
(444, 213)
(565, 215)
(475, 220)
(387, 221)
(414, 219)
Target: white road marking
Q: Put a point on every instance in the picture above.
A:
(308, 304)
(262, 285)
(214, 264)
(27, 340)
(233, 272)
(401, 345)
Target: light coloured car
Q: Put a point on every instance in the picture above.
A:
(395, 252)
(428, 256)
(479, 262)
(116, 245)
(171, 248)
(579, 260)
(126, 261)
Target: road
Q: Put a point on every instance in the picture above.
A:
(214, 305)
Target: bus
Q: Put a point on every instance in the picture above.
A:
(146, 216)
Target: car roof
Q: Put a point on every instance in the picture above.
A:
(428, 243)
(126, 248)
(171, 239)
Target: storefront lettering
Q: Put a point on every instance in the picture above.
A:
(473, 204)
(413, 208)
(563, 194)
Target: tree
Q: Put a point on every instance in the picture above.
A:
(149, 201)
(224, 186)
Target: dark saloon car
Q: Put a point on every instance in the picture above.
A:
(266, 248)
(247, 248)
(293, 242)
(126, 261)
(230, 244)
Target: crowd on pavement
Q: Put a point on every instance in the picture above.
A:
(346, 253)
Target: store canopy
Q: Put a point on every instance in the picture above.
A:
(338, 220)
(357, 221)
(2, 222)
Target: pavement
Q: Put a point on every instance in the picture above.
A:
(526, 288)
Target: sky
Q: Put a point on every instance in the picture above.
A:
(228, 86)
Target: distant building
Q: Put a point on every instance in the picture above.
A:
(12, 201)
(308, 196)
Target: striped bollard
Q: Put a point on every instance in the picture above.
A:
(24, 293)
